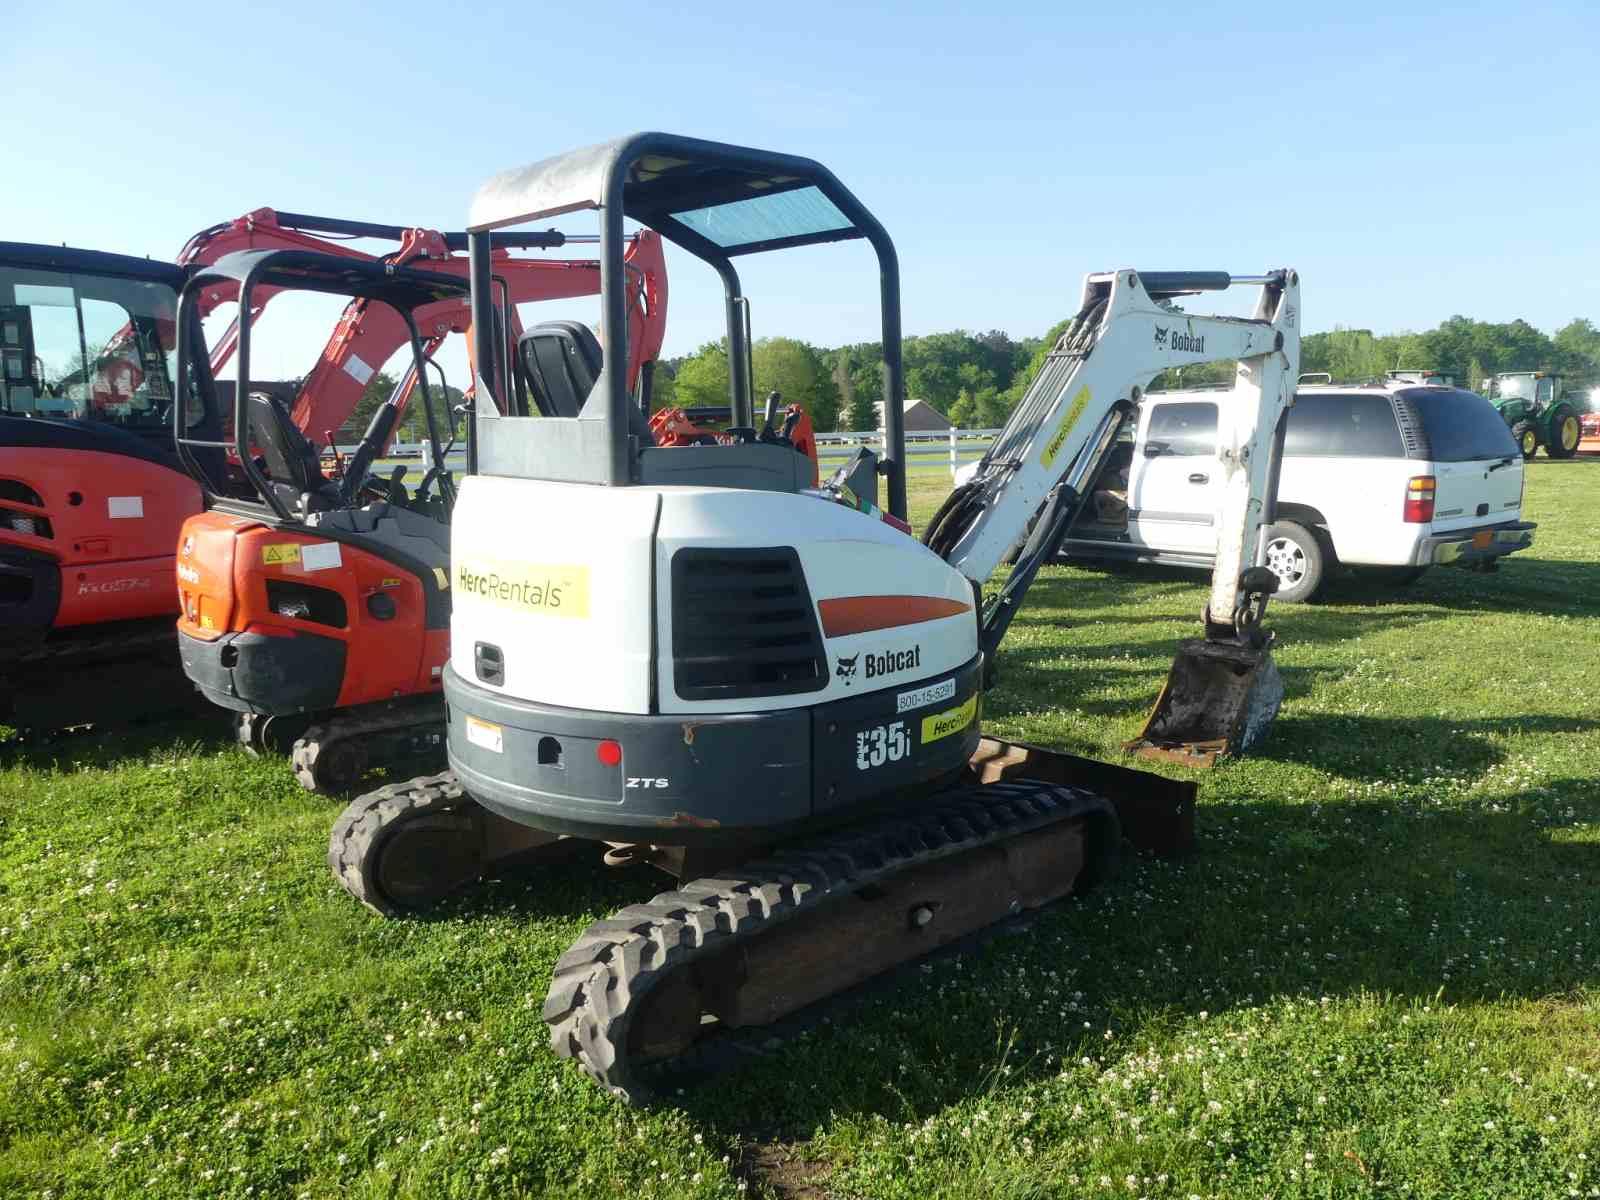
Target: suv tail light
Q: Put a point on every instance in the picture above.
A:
(1419, 499)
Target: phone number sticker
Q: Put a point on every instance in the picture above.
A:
(922, 697)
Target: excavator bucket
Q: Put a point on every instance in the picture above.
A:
(1220, 699)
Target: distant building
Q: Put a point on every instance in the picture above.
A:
(921, 417)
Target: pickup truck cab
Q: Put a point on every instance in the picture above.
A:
(1389, 478)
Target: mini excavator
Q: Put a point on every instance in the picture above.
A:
(766, 688)
(317, 609)
(92, 492)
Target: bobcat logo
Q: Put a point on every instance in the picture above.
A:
(1161, 338)
(846, 670)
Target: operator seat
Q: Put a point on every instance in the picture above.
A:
(562, 360)
(294, 469)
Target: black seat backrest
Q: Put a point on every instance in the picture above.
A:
(293, 466)
(562, 360)
(291, 459)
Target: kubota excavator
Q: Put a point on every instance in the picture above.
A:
(92, 494)
(765, 689)
(317, 609)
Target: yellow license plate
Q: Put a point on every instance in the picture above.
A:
(1481, 541)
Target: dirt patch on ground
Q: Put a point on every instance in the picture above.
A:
(781, 1169)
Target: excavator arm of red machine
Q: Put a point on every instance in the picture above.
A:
(368, 334)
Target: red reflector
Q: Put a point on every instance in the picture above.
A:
(609, 753)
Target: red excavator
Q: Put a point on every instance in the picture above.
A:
(318, 609)
(92, 494)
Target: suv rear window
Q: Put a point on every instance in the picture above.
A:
(1462, 426)
(1359, 425)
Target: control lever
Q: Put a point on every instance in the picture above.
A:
(774, 398)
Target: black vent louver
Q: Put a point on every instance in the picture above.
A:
(743, 625)
(1412, 430)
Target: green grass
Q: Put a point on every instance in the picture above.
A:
(1379, 975)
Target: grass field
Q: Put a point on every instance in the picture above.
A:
(1379, 975)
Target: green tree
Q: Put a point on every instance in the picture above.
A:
(702, 378)
(963, 411)
(798, 373)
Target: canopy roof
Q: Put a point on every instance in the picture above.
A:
(714, 199)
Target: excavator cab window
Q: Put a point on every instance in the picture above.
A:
(89, 348)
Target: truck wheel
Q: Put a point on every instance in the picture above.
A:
(1565, 433)
(1296, 556)
(1527, 438)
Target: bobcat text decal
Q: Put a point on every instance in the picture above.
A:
(1166, 340)
(882, 662)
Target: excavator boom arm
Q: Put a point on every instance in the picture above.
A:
(1126, 333)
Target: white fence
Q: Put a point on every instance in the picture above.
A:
(948, 448)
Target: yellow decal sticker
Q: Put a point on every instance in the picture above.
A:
(953, 720)
(552, 589)
(442, 579)
(206, 622)
(286, 552)
(393, 582)
(1053, 446)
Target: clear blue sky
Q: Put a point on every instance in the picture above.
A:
(1412, 164)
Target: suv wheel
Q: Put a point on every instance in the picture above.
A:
(1296, 556)
(1527, 438)
(1565, 432)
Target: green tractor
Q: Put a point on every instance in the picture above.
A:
(1533, 403)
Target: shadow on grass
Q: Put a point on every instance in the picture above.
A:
(94, 747)
(1359, 901)
(1387, 748)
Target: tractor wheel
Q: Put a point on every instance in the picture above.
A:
(1527, 438)
(1566, 431)
(1297, 556)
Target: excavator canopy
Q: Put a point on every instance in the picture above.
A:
(728, 200)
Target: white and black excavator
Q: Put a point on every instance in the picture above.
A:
(769, 689)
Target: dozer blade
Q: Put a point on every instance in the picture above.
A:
(1220, 699)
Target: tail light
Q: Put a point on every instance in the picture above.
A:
(1419, 499)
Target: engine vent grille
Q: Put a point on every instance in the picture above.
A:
(13, 521)
(743, 625)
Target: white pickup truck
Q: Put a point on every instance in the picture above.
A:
(1389, 479)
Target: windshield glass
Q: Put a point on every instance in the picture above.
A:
(1462, 426)
(796, 213)
(87, 348)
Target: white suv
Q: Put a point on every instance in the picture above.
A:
(1387, 478)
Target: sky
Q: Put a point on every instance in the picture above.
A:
(1411, 163)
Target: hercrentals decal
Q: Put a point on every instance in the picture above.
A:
(1068, 420)
(552, 589)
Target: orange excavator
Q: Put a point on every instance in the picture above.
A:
(317, 609)
(92, 493)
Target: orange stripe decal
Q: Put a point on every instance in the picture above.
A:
(862, 614)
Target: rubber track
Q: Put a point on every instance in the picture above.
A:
(355, 845)
(600, 983)
(364, 721)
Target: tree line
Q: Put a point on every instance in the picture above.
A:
(975, 379)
